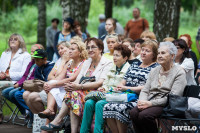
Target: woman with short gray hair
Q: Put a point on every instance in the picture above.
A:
(164, 79)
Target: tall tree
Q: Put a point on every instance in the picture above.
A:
(41, 38)
(108, 8)
(76, 9)
(166, 18)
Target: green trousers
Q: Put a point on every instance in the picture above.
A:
(90, 107)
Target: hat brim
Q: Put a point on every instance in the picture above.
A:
(36, 56)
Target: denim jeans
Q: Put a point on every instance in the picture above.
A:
(9, 93)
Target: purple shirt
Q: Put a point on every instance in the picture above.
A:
(24, 77)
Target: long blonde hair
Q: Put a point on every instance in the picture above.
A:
(22, 44)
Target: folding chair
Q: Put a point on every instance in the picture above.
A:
(12, 110)
(19, 120)
(190, 91)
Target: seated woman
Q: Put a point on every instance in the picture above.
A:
(130, 44)
(13, 63)
(112, 41)
(78, 32)
(148, 35)
(114, 76)
(184, 59)
(166, 78)
(117, 117)
(10, 93)
(97, 66)
(188, 40)
(77, 54)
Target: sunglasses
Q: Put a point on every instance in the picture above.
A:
(13, 39)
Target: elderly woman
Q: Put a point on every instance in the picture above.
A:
(184, 59)
(116, 114)
(114, 76)
(13, 63)
(112, 41)
(166, 78)
(96, 66)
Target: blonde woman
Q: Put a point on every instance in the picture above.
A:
(77, 54)
(13, 63)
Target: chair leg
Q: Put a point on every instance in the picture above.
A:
(17, 117)
(13, 111)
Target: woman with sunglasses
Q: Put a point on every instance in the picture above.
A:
(13, 63)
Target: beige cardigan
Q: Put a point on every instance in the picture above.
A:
(175, 84)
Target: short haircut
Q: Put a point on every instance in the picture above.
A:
(55, 20)
(112, 36)
(171, 47)
(154, 47)
(130, 41)
(39, 46)
(121, 37)
(140, 41)
(125, 51)
(169, 39)
(148, 34)
(98, 42)
(137, 9)
(64, 43)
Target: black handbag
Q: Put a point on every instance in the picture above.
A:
(176, 106)
(84, 79)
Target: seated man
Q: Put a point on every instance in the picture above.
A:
(34, 100)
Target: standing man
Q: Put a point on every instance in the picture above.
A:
(136, 26)
(101, 29)
(50, 35)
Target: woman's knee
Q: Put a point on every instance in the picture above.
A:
(90, 104)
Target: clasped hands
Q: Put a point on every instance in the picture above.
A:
(143, 104)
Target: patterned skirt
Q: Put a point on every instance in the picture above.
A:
(118, 111)
(75, 101)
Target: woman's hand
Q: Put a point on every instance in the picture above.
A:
(72, 86)
(101, 89)
(143, 104)
(47, 87)
(16, 85)
(120, 88)
(2, 75)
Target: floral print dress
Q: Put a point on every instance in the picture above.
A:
(75, 100)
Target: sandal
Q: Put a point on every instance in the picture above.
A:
(51, 127)
(49, 114)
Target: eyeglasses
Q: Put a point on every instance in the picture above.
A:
(91, 48)
(13, 39)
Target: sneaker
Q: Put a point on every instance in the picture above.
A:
(30, 123)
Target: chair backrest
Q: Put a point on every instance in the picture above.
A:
(192, 91)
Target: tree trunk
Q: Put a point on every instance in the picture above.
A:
(108, 8)
(166, 18)
(41, 38)
(76, 9)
